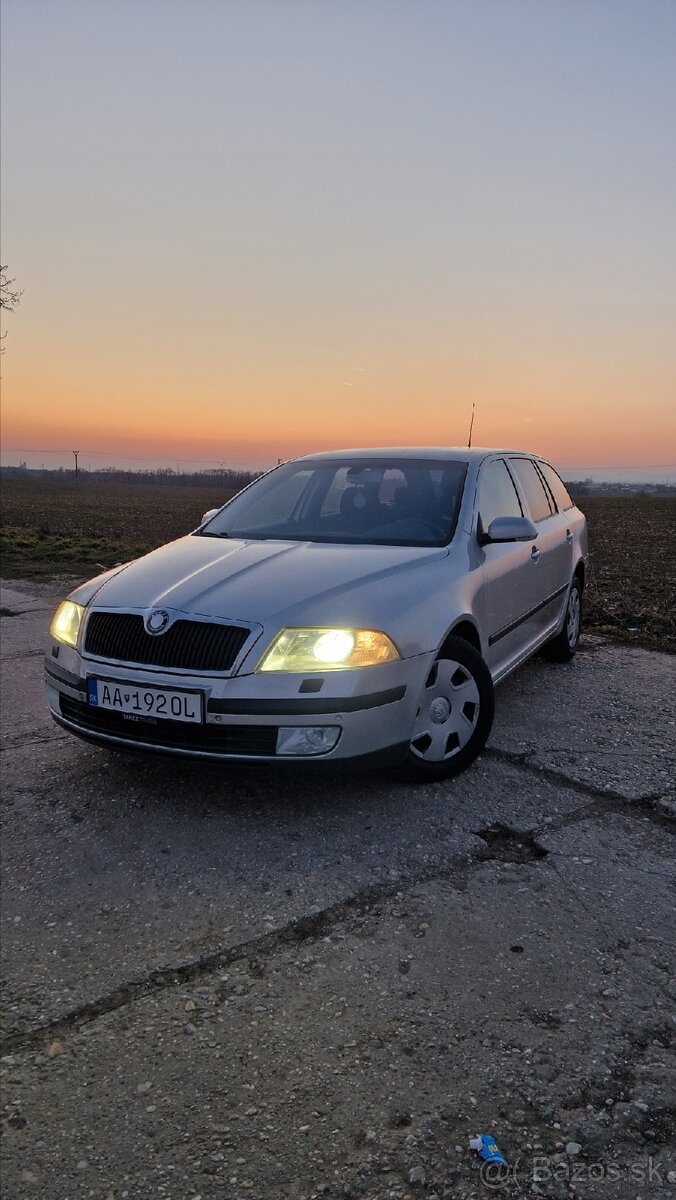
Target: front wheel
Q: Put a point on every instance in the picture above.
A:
(562, 647)
(454, 714)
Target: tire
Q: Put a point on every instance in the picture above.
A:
(562, 647)
(454, 716)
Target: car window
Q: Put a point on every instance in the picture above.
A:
(379, 485)
(410, 502)
(266, 506)
(534, 489)
(557, 486)
(497, 494)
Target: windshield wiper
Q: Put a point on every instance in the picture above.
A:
(206, 533)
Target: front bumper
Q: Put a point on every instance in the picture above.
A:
(373, 709)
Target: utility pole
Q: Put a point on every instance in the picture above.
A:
(76, 452)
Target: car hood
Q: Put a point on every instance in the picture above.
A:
(256, 581)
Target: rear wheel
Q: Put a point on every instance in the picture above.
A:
(454, 715)
(562, 647)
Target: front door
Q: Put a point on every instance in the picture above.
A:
(554, 541)
(513, 587)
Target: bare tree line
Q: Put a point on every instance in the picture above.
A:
(225, 477)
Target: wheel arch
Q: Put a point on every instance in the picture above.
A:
(580, 572)
(465, 629)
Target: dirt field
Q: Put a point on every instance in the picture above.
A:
(631, 593)
(49, 528)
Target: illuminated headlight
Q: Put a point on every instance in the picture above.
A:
(307, 739)
(305, 650)
(66, 621)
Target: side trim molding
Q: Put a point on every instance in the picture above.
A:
(495, 637)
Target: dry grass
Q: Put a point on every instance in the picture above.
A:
(51, 528)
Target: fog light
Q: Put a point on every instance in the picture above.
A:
(307, 739)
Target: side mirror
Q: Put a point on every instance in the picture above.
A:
(509, 529)
(208, 515)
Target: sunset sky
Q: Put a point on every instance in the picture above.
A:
(248, 229)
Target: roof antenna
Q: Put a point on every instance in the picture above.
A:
(471, 426)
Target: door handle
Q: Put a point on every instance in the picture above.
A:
(535, 554)
(569, 537)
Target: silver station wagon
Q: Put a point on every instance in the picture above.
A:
(356, 606)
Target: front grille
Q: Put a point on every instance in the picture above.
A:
(187, 645)
(173, 735)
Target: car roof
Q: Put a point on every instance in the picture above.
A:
(452, 453)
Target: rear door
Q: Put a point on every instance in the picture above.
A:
(554, 541)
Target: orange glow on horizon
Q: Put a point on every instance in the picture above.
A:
(239, 407)
(568, 432)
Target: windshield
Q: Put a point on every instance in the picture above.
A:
(384, 502)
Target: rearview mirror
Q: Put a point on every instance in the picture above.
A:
(208, 515)
(509, 529)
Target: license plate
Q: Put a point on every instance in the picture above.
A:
(162, 703)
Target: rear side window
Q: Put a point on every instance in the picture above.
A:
(536, 496)
(497, 494)
(557, 486)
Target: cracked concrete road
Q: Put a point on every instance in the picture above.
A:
(233, 983)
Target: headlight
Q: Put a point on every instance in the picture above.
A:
(65, 625)
(328, 650)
